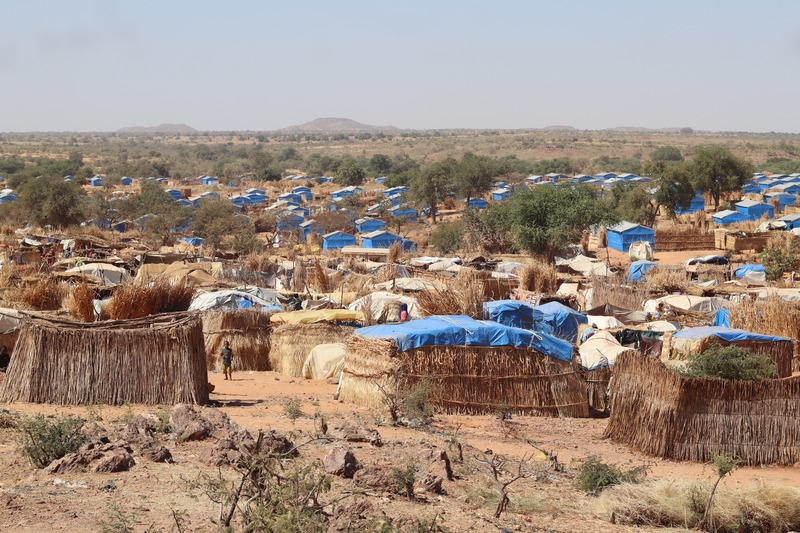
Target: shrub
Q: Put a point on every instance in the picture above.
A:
(729, 362)
(594, 475)
(44, 440)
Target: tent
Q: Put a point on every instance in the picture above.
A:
(552, 318)
(638, 270)
(324, 361)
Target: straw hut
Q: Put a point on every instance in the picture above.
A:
(153, 360)
(695, 340)
(473, 367)
(248, 332)
(296, 333)
(661, 413)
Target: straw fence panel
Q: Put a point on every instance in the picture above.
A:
(465, 379)
(248, 333)
(291, 344)
(658, 412)
(154, 360)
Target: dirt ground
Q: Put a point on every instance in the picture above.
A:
(33, 501)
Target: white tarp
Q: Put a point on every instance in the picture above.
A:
(601, 349)
(324, 361)
(380, 301)
(110, 274)
(688, 303)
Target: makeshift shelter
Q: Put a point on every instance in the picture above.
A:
(385, 306)
(336, 240)
(473, 366)
(622, 235)
(755, 210)
(292, 342)
(325, 361)
(247, 331)
(728, 217)
(638, 270)
(155, 360)
(659, 412)
(695, 340)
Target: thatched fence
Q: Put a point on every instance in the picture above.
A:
(464, 379)
(248, 332)
(153, 360)
(661, 413)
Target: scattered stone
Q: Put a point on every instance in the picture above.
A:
(341, 462)
(353, 432)
(119, 461)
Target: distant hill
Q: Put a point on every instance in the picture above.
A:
(332, 125)
(163, 128)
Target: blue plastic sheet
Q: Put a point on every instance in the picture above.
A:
(460, 330)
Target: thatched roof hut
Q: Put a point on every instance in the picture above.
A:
(661, 413)
(296, 333)
(694, 340)
(473, 366)
(248, 332)
(153, 360)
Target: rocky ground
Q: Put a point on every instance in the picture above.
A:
(166, 468)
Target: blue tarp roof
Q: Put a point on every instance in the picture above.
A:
(726, 334)
(460, 330)
(638, 269)
(551, 318)
(745, 269)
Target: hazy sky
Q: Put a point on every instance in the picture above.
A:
(262, 65)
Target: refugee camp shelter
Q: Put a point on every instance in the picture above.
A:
(661, 413)
(337, 239)
(369, 224)
(755, 210)
(110, 362)
(728, 217)
(473, 367)
(622, 235)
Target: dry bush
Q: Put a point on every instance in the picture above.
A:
(44, 295)
(394, 252)
(538, 277)
(671, 503)
(137, 300)
(80, 303)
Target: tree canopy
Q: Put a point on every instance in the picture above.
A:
(715, 170)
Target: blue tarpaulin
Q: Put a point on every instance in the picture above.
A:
(460, 330)
(722, 318)
(551, 318)
(726, 334)
(746, 269)
(638, 269)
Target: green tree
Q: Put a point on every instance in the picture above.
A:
(666, 153)
(717, 171)
(434, 183)
(53, 201)
(349, 173)
(475, 175)
(545, 220)
(380, 164)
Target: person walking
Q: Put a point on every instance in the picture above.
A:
(227, 359)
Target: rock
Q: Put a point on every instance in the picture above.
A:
(353, 432)
(156, 452)
(142, 429)
(435, 461)
(380, 478)
(341, 462)
(431, 483)
(188, 424)
(119, 461)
